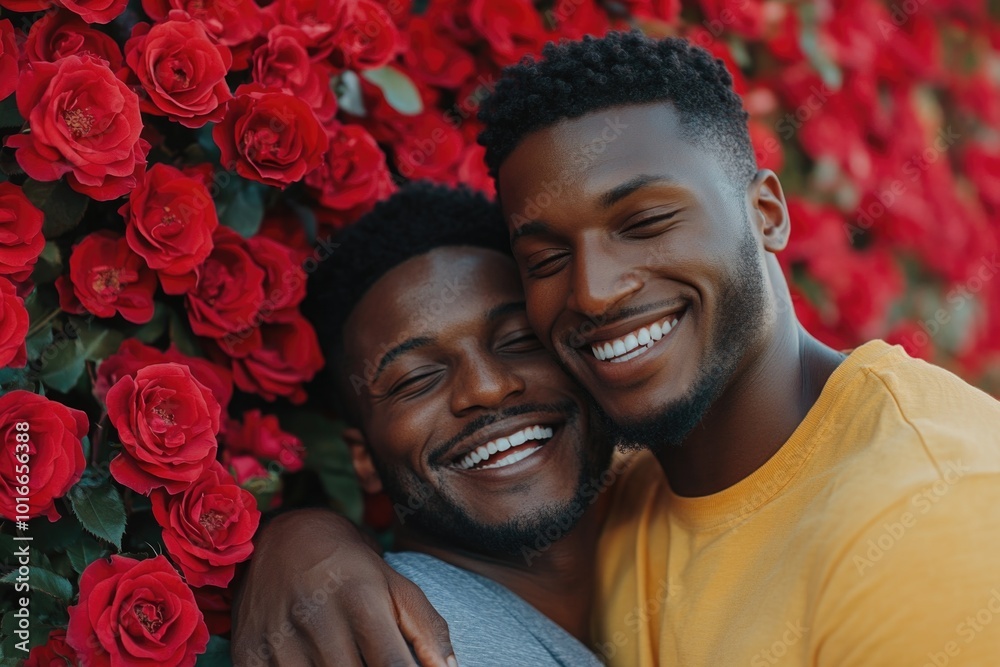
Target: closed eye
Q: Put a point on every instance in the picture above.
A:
(414, 384)
(546, 265)
(650, 226)
(524, 342)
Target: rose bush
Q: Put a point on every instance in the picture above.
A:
(171, 172)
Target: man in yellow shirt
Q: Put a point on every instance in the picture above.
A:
(818, 510)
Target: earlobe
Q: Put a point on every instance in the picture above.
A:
(361, 457)
(768, 202)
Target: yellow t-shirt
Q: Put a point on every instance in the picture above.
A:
(871, 538)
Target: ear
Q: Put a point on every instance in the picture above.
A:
(769, 210)
(361, 457)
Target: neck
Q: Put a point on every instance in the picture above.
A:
(556, 578)
(758, 411)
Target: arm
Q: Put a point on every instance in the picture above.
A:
(316, 593)
(920, 585)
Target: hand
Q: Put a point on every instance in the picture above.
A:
(316, 593)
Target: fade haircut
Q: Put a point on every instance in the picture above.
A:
(575, 78)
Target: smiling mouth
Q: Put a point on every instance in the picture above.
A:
(637, 342)
(507, 450)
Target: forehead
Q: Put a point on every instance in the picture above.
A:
(595, 153)
(441, 289)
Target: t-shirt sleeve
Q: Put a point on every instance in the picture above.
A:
(920, 585)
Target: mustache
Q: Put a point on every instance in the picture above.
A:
(567, 409)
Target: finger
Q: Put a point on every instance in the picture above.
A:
(380, 641)
(422, 625)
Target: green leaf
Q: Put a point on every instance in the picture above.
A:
(50, 264)
(151, 331)
(400, 92)
(43, 581)
(63, 206)
(97, 342)
(9, 115)
(38, 342)
(240, 206)
(182, 336)
(84, 552)
(51, 537)
(216, 655)
(328, 456)
(63, 365)
(100, 510)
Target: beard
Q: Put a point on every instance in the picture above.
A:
(436, 513)
(742, 310)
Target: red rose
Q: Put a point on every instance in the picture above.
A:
(133, 356)
(13, 326)
(230, 290)
(167, 422)
(289, 356)
(270, 137)
(25, 6)
(433, 57)
(170, 219)
(371, 39)
(323, 21)
(60, 33)
(95, 11)
(430, 149)
(511, 28)
(473, 172)
(353, 171)
(234, 23)
(8, 59)
(107, 277)
(246, 470)
(207, 528)
(182, 70)
(261, 436)
(217, 606)
(84, 122)
(54, 453)
(21, 239)
(55, 652)
(284, 279)
(138, 613)
(283, 63)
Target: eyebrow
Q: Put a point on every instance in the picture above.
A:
(406, 346)
(606, 200)
(619, 192)
(505, 309)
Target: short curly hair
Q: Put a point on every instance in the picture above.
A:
(575, 78)
(418, 218)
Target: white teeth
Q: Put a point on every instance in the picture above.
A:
(495, 447)
(633, 344)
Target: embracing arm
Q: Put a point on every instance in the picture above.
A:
(316, 593)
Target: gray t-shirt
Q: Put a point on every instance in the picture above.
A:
(490, 626)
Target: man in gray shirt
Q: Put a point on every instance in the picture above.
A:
(479, 439)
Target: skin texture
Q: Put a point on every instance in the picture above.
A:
(477, 372)
(651, 227)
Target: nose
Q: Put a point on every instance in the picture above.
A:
(484, 382)
(599, 281)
